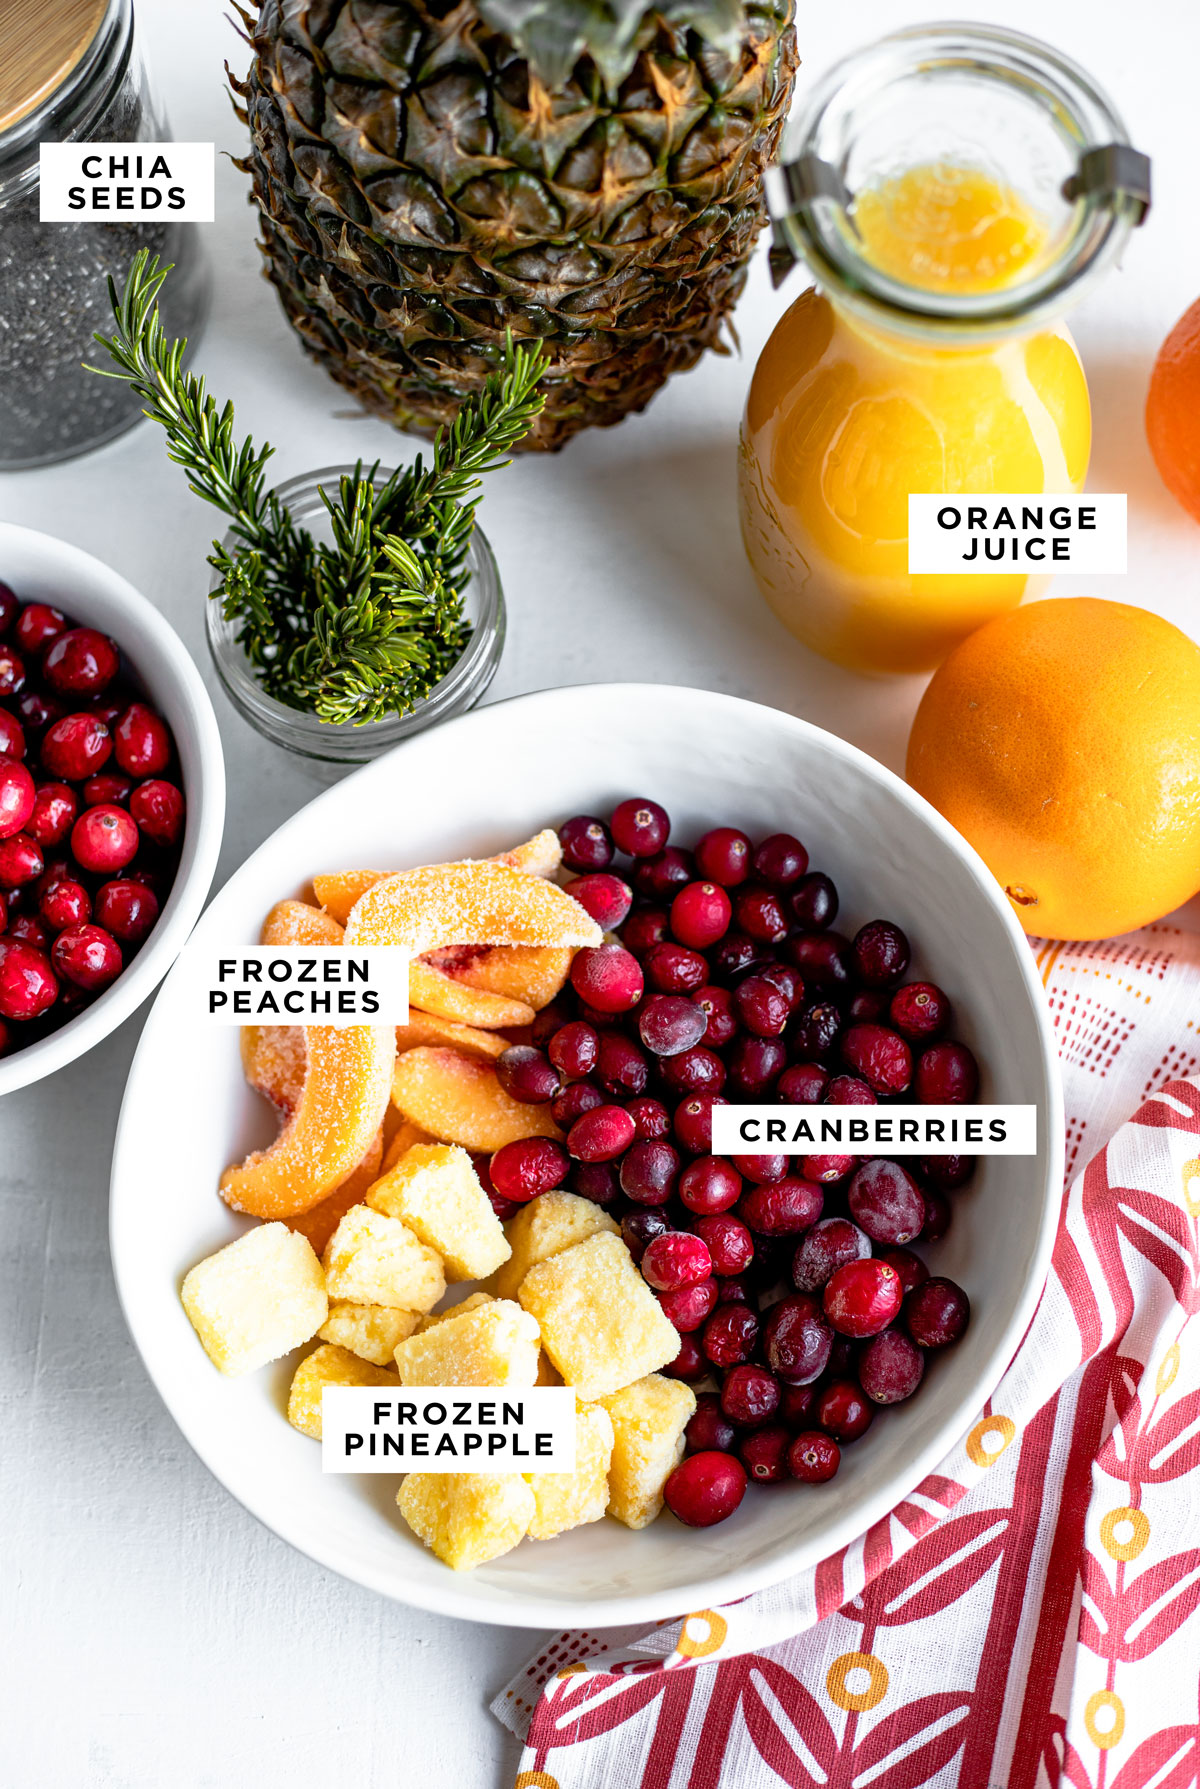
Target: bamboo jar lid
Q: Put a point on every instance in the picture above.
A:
(40, 45)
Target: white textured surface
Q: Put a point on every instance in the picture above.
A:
(153, 1632)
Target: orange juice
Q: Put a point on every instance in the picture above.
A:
(846, 416)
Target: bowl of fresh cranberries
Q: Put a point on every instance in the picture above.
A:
(784, 922)
(112, 799)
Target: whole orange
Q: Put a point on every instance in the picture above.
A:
(1063, 742)
(1173, 411)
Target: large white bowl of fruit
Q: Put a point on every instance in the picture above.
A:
(624, 904)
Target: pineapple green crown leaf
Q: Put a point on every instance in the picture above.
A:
(553, 34)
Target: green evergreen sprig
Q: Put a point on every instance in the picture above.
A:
(362, 626)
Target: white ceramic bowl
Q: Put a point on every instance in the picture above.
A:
(471, 787)
(42, 569)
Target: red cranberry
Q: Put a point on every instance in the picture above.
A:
(586, 844)
(662, 876)
(81, 662)
(700, 914)
(730, 1334)
(530, 1166)
(762, 1169)
(21, 861)
(935, 1312)
(17, 797)
(945, 1172)
(608, 977)
(760, 915)
(574, 1050)
(675, 1259)
(550, 1019)
(38, 626)
(644, 929)
(639, 1229)
(755, 1064)
(27, 984)
(601, 1135)
(764, 1454)
(673, 969)
(780, 860)
(842, 1356)
(797, 1339)
(127, 910)
(868, 1006)
(87, 955)
(597, 1181)
(693, 1071)
(824, 959)
(503, 1208)
(66, 903)
(813, 1458)
(8, 607)
(729, 1242)
(910, 1267)
(848, 1090)
(527, 1075)
(573, 1102)
(689, 1364)
(736, 955)
(37, 709)
(826, 1170)
(693, 1122)
(669, 1024)
(890, 1367)
(705, 1488)
(104, 839)
(789, 982)
(649, 1172)
(829, 1245)
(723, 855)
(919, 1011)
(710, 1184)
(880, 1056)
(640, 827)
(29, 930)
(735, 1289)
(749, 1394)
(721, 1024)
(843, 1411)
(784, 1209)
(947, 1075)
(886, 1202)
(814, 902)
(762, 1007)
(937, 1217)
(881, 954)
(12, 671)
(817, 1031)
(803, 1084)
(107, 788)
(796, 1405)
(651, 1120)
(12, 736)
(621, 1068)
(606, 899)
(862, 1298)
(158, 809)
(708, 1427)
(76, 746)
(687, 1307)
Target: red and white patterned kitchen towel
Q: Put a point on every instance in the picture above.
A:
(1030, 1616)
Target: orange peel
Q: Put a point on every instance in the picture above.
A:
(458, 1099)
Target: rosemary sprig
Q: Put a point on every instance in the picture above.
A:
(364, 625)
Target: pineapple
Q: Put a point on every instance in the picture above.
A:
(432, 173)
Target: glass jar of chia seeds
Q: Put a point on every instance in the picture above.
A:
(71, 72)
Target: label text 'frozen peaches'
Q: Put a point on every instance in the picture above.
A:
(890, 1130)
(298, 984)
(448, 1428)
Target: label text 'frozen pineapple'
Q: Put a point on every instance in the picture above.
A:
(448, 1428)
(297, 984)
(890, 1130)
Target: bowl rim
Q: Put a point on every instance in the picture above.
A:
(206, 812)
(455, 1597)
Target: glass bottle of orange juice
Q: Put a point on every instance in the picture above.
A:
(953, 188)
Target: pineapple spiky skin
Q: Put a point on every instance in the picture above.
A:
(423, 191)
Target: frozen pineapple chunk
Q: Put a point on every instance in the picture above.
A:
(496, 1343)
(435, 1191)
(568, 1499)
(648, 1422)
(467, 1518)
(601, 1324)
(545, 1227)
(327, 1366)
(369, 1330)
(257, 1298)
(456, 1310)
(372, 1259)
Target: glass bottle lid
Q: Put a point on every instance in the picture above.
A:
(40, 46)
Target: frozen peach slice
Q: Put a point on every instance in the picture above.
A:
(534, 973)
(468, 903)
(398, 1138)
(338, 893)
(273, 1062)
(538, 856)
(433, 991)
(427, 1028)
(295, 922)
(320, 1223)
(459, 1100)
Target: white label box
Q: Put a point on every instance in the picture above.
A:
(448, 1428)
(117, 183)
(890, 1130)
(986, 534)
(297, 984)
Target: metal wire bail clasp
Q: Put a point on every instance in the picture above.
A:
(1114, 171)
(793, 187)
